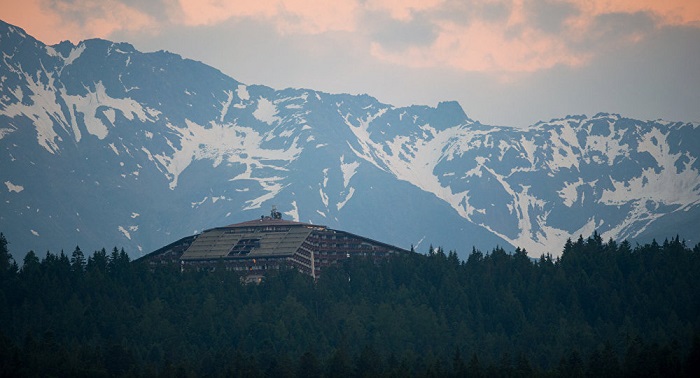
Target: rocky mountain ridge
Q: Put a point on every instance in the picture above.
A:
(102, 145)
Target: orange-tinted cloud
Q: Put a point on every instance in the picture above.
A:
(208, 12)
(37, 21)
(667, 12)
(288, 16)
(52, 22)
(482, 47)
(402, 10)
(464, 35)
(515, 43)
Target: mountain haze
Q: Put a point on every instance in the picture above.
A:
(103, 145)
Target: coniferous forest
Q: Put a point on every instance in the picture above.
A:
(601, 309)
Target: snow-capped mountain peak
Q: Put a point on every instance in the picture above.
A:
(102, 145)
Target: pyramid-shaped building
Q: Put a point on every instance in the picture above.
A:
(271, 243)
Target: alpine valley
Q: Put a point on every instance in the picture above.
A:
(102, 145)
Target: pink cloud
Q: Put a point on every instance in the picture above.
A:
(30, 15)
(664, 13)
(403, 10)
(668, 12)
(511, 42)
(516, 44)
(288, 16)
(483, 47)
(208, 12)
(52, 22)
(318, 16)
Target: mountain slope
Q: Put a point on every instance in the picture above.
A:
(102, 145)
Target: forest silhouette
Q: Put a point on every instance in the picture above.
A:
(601, 309)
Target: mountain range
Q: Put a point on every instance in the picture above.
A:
(102, 145)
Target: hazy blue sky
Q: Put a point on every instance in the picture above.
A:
(507, 62)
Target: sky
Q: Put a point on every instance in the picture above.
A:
(507, 62)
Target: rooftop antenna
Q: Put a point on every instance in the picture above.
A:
(274, 214)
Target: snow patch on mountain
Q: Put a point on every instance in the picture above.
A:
(13, 187)
(16, 92)
(93, 104)
(367, 146)
(569, 193)
(124, 232)
(350, 193)
(6, 131)
(46, 111)
(111, 115)
(529, 147)
(225, 105)
(662, 186)
(43, 110)
(348, 170)
(636, 221)
(199, 203)
(271, 186)
(608, 146)
(325, 177)
(294, 212)
(266, 111)
(74, 54)
(225, 142)
(414, 160)
(563, 141)
(242, 92)
(324, 184)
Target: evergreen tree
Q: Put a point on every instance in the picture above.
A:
(603, 363)
(692, 362)
(98, 261)
(368, 363)
(280, 366)
(474, 367)
(309, 367)
(339, 364)
(571, 365)
(30, 265)
(7, 263)
(459, 368)
(78, 260)
(523, 368)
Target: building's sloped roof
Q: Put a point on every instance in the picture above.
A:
(253, 239)
(267, 221)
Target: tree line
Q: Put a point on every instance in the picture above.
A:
(601, 309)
